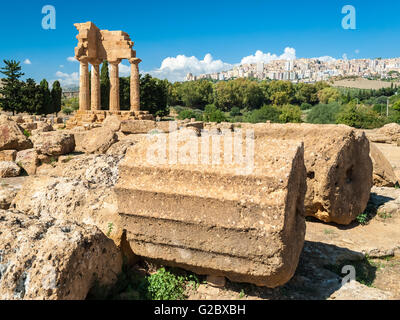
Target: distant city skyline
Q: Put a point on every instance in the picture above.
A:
(180, 37)
(290, 68)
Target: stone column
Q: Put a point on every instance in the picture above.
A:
(84, 90)
(114, 86)
(135, 85)
(95, 95)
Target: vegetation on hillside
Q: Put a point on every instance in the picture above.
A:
(238, 100)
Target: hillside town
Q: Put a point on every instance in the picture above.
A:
(309, 70)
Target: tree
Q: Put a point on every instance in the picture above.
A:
(213, 114)
(10, 93)
(56, 96)
(47, 106)
(328, 95)
(125, 93)
(265, 113)
(235, 111)
(174, 98)
(32, 97)
(281, 92)
(324, 113)
(290, 114)
(154, 95)
(306, 94)
(196, 94)
(360, 117)
(226, 96)
(105, 86)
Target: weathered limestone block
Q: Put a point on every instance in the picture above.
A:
(47, 259)
(8, 155)
(339, 167)
(29, 126)
(113, 123)
(80, 190)
(12, 137)
(383, 174)
(217, 219)
(137, 126)
(54, 143)
(98, 140)
(7, 195)
(9, 169)
(42, 127)
(28, 160)
(121, 147)
(391, 132)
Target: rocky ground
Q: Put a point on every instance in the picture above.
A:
(65, 182)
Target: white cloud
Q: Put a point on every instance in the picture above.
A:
(124, 70)
(344, 56)
(326, 59)
(66, 79)
(357, 51)
(61, 66)
(176, 68)
(27, 61)
(259, 56)
(72, 59)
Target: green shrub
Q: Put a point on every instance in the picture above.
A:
(324, 113)
(235, 111)
(290, 114)
(305, 106)
(212, 114)
(27, 133)
(166, 286)
(189, 114)
(67, 110)
(266, 113)
(360, 117)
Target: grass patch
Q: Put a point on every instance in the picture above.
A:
(384, 215)
(165, 284)
(329, 232)
(369, 213)
(27, 133)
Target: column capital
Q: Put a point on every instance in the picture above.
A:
(115, 62)
(95, 62)
(135, 61)
(83, 59)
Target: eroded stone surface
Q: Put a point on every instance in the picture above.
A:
(9, 169)
(12, 136)
(53, 143)
(214, 219)
(80, 190)
(383, 173)
(47, 259)
(339, 168)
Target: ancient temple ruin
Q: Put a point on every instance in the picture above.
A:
(94, 47)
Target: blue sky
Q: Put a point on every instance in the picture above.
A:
(228, 30)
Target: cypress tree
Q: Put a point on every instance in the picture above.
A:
(56, 94)
(32, 97)
(105, 86)
(47, 103)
